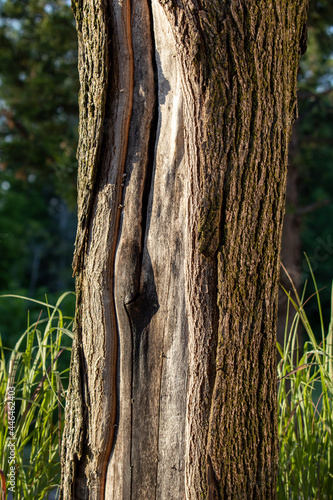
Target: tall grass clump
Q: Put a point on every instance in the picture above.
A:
(33, 386)
(305, 389)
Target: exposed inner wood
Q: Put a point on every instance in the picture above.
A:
(149, 276)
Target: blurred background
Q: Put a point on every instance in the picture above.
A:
(38, 140)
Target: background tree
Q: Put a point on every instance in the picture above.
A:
(185, 118)
(38, 129)
(310, 174)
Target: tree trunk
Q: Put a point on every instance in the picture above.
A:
(186, 114)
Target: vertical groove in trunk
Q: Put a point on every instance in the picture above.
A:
(132, 305)
(149, 448)
(181, 203)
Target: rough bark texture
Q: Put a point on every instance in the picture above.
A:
(186, 114)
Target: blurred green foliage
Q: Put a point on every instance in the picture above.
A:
(38, 134)
(314, 159)
(39, 89)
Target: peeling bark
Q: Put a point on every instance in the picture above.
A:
(186, 114)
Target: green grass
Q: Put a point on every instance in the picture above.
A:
(34, 370)
(38, 370)
(305, 389)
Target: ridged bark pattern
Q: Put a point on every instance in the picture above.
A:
(240, 60)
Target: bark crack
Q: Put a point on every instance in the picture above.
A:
(151, 153)
(138, 304)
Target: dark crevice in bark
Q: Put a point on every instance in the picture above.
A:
(144, 304)
(223, 206)
(151, 146)
(212, 372)
(149, 168)
(99, 184)
(213, 492)
(107, 128)
(140, 312)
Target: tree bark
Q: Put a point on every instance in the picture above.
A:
(186, 111)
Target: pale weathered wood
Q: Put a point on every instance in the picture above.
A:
(149, 451)
(128, 261)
